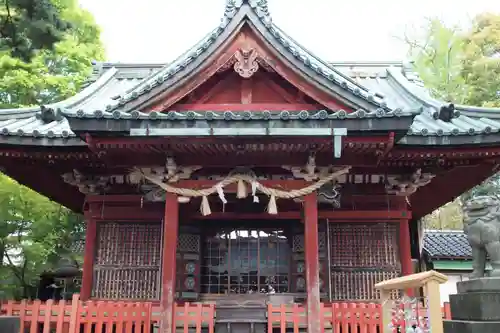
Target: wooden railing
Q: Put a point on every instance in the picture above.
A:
(141, 317)
(104, 316)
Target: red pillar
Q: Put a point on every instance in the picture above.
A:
(88, 259)
(405, 250)
(312, 262)
(170, 234)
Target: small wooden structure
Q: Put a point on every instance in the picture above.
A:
(249, 165)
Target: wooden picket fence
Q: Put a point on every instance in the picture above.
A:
(76, 316)
(334, 317)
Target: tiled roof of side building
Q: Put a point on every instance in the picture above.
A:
(467, 125)
(29, 126)
(446, 244)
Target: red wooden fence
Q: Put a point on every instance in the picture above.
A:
(76, 316)
(339, 317)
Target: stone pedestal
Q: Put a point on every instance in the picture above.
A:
(475, 308)
(9, 324)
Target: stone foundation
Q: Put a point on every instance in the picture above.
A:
(476, 307)
(9, 324)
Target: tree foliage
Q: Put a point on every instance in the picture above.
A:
(27, 26)
(460, 66)
(34, 235)
(34, 231)
(55, 74)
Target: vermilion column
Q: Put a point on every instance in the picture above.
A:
(88, 259)
(312, 262)
(405, 250)
(170, 234)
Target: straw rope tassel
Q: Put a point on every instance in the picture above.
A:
(205, 206)
(272, 208)
(254, 190)
(241, 192)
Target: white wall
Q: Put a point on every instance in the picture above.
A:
(450, 287)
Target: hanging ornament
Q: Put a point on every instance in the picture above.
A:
(272, 208)
(254, 191)
(241, 191)
(205, 206)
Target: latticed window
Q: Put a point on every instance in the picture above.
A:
(362, 255)
(245, 261)
(128, 260)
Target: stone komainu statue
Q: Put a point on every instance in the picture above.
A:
(482, 227)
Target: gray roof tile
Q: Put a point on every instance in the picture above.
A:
(447, 245)
(386, 89)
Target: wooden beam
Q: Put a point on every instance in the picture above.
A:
(405, 250)
(153, 214)
(246, 91)
(88, 259)
(312, 262)
(364, 215)
(251, 106)
(122, 142)
(445, 187)
(170, 234)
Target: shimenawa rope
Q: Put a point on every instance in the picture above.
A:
(241, 190)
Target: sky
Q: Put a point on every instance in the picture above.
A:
(157, 31)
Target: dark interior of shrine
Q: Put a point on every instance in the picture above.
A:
(246, 256)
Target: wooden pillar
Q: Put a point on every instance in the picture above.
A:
(312, 262)
(170, 235)
(434, 306)
(405, 250)
(88, 259)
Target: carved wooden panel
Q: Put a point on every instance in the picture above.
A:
(298, 273)
(188, 263)
(128, 259)
(360, 256)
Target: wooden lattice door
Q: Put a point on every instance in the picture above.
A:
(127, 262)
(361, 255)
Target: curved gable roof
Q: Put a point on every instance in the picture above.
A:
(375, 90)
(238, 12)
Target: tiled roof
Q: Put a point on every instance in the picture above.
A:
(27, 126)
(257, 12)
(447, 245)
(383, 90)
(398, 81)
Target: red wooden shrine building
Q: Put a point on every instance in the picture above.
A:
(249, 165)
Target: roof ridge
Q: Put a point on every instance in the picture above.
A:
(359, 96)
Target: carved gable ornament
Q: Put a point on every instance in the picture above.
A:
(246, 63)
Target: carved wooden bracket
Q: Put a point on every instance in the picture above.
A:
(310, 171)
(406, 187)
(246, 63)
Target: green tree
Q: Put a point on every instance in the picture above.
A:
(461, 66)
(438, 57)
(34, 235)
(30, 25)
(53, 75)
(482, 61)
(34, 231)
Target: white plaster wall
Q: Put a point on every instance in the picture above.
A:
(450, 287)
